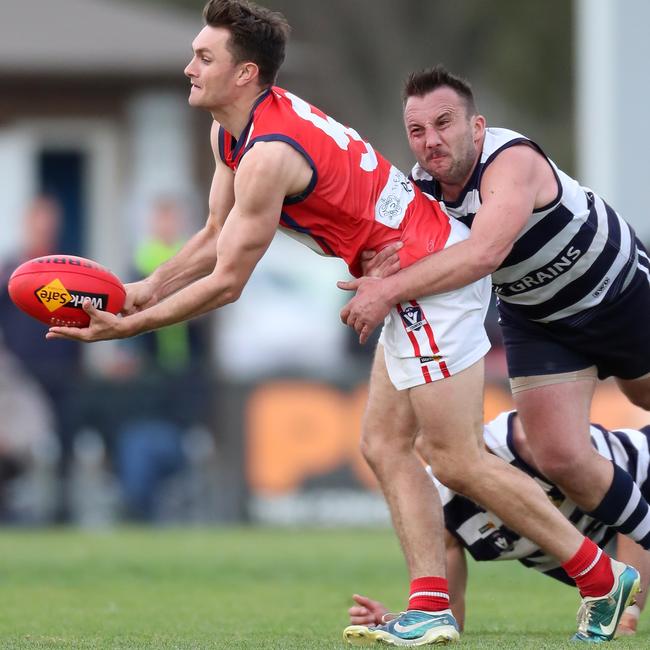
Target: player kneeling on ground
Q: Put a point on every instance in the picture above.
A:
(470, 527)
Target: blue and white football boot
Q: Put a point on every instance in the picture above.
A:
(598, 617)
(412, 628)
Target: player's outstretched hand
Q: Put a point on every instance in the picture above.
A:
(366, 611)
(139, 295)
(367, 309)
(103, 326)
(627, 625)
(381, 264)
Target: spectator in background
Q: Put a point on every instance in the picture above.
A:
(56, 367)
(26, 441)
(148, 448)
(172, 348)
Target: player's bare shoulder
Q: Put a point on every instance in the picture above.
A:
(280, 161)
(523, 169)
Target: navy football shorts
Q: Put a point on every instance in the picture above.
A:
(615, 338)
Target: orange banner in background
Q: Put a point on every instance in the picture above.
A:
(297, 430)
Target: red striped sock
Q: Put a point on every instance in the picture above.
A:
(591, 568)
(429, 594)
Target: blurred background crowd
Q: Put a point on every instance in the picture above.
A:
(252, 413)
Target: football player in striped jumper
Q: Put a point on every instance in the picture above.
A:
(571, 277)
(471, 528)
(281, 163)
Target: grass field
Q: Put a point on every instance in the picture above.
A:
(244, 588)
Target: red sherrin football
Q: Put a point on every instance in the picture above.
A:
(52, 289)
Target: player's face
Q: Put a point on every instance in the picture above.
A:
(443, 138)
(212, 71)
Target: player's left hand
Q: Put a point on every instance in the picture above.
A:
(627, 625)
(139, 295)
(103, 327)
(366, 611)
(381, 264)
(367, 309)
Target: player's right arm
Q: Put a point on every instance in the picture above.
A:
(266, 176)
(197, 258)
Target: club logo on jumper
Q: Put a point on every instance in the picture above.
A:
(389, 208)
(437, 358)
(53, 295)
(413, 318)
(394, 199)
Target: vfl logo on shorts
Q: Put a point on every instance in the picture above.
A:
(500, 539)
(413, 319)
(437, 358)
(501, 542)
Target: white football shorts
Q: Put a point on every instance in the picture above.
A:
(437, 336)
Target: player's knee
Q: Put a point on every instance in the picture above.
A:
(369, 448)
(456, 479)
(379, 445)
(454, 471)
(432, 455)
(558, 466)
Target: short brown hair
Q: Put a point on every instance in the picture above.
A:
(256, 34)
(423, 82)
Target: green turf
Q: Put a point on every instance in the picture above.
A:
(244, 588)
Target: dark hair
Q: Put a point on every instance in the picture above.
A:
(423, 82)
(256, 34)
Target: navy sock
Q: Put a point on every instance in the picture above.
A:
(624, 508)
